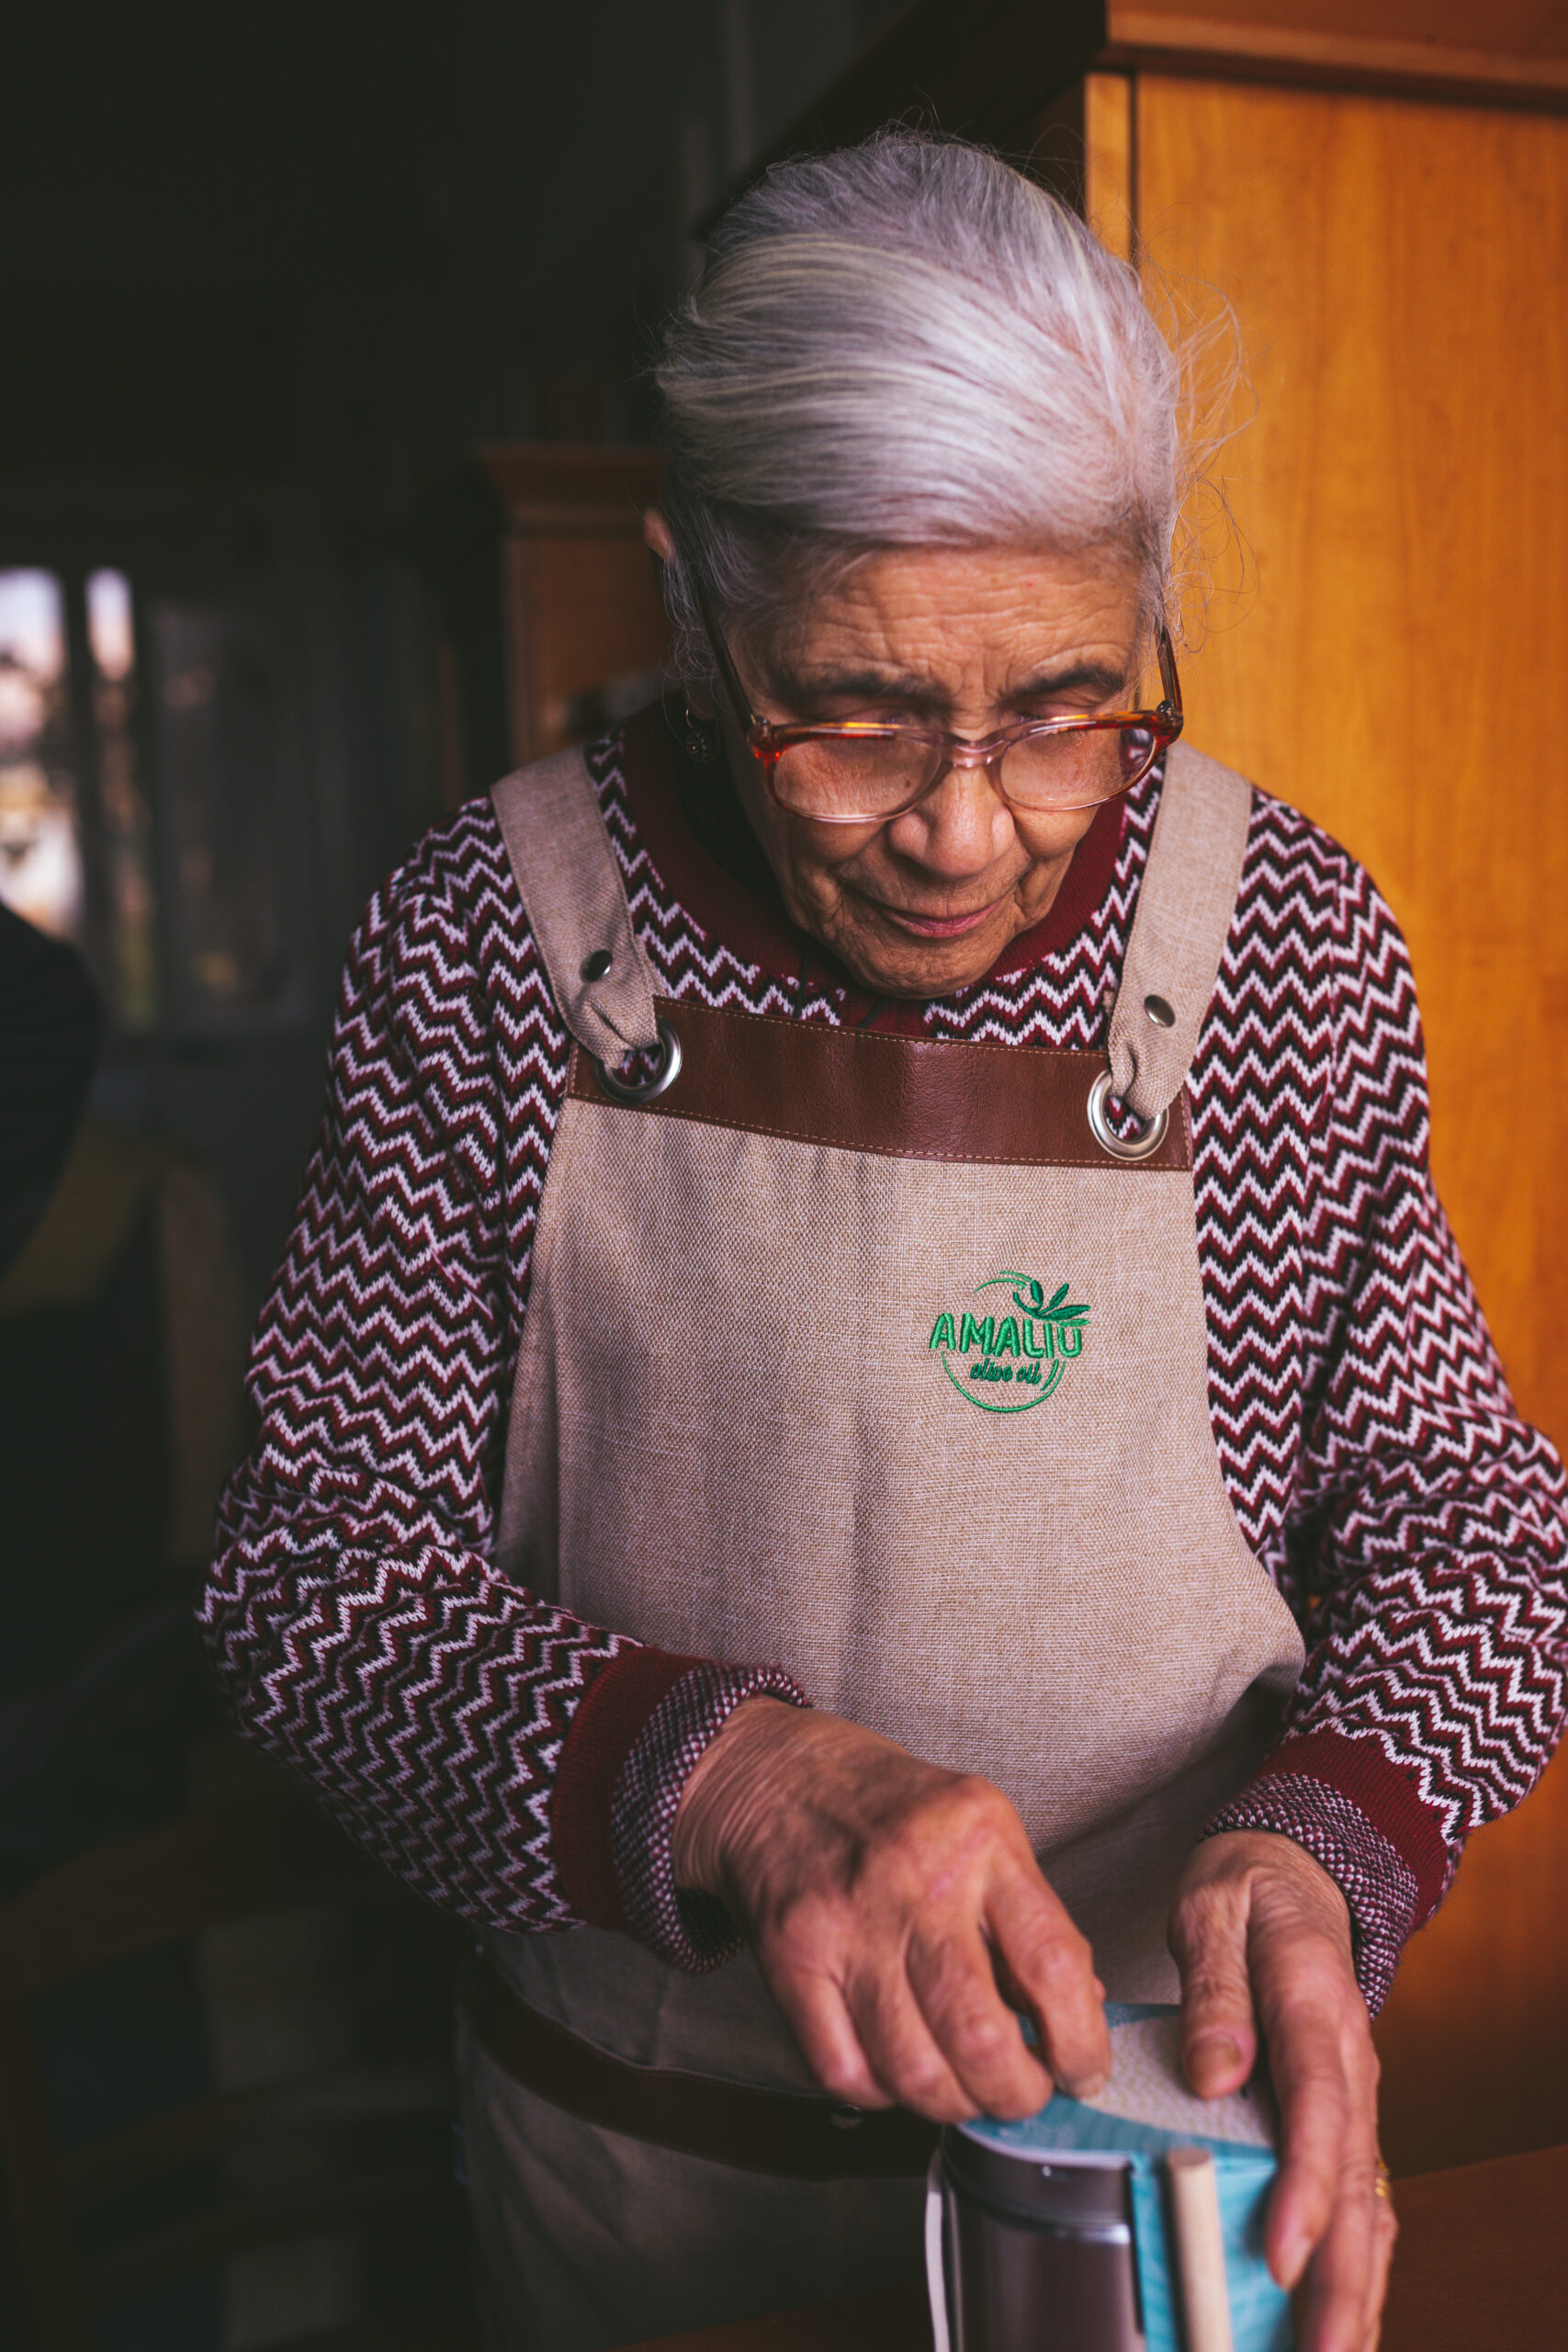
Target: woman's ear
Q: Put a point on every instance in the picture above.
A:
(657, 534)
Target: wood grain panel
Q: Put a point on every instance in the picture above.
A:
(1474, 2039)
(1394, 665)
(1395, 662)
(1507, 27)
(589, 614)
(1108, 160)
(1518, 44)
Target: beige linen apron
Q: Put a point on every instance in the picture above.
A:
(872, 1357)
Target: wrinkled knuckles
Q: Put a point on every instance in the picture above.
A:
(1209, 1920)
(963, 2013)
(1051, 1950)
(1053, 1965)
(1216, 1998)
(991, 2042)
(978, 1814)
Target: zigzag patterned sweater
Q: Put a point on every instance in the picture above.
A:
(523, 1768)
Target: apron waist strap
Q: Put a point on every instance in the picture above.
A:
(781, 2132)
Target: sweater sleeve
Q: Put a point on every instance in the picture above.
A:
(1427, 1538)
(353, 1615)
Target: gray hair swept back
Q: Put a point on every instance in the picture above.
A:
(907, 344)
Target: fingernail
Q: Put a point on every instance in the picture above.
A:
(1211, 2055)
(1293, 2260)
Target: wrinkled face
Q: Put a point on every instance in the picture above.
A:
(967, 640)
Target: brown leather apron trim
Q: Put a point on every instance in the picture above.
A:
(781, 2132)
(902, 1097)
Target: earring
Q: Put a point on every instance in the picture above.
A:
(702, 740)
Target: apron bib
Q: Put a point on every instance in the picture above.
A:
(875, 1358)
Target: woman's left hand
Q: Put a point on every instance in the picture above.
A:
(1262, 1938)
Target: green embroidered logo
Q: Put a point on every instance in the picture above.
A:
(1031, 1349)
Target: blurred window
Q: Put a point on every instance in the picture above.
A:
(40, 845)
(123, 809)
(146, 804)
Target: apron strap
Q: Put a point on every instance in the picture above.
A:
(576, 904)
(1179, 930)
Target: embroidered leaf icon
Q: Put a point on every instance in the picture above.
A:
(1031, 1297)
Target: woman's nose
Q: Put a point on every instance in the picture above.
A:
(960, 827)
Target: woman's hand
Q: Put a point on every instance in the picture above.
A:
(896, 1910)
(1260, 1931)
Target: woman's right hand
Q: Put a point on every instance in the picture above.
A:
(898, 1914)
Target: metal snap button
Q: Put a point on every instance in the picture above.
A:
(595, 966)
(847, 2118)
(1162, 1014)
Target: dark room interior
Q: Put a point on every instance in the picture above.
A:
(327, 428)
(270, 280)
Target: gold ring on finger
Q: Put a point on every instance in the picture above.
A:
(1381, 2186)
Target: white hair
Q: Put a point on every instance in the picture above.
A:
(907, 344)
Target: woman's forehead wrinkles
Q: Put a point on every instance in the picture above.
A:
(826, 681)
(927, 632)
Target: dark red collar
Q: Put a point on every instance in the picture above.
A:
(694, 830)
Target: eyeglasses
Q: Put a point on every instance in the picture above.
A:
(865, 772)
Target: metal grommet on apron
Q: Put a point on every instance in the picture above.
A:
(1142, 1146)
(665, 1072)
(872, 1356)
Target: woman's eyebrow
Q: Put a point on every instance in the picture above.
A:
(856, 685)
(1101, 678)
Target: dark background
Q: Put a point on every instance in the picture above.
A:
(266, 273)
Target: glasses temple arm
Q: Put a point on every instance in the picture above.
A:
(745, 717)
(1168, 675)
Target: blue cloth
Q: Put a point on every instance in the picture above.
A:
(1261, 2311)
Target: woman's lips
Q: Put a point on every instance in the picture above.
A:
(938, 926)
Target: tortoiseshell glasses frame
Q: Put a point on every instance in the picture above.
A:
(870, 771)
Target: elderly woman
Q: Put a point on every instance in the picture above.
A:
(872, 1423)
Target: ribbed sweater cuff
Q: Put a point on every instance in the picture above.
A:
(1361, 1815)
(608, 1721)
(634, 1742)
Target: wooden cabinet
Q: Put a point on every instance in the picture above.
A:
(1380, 189)
(549, 621)
(1391, 667)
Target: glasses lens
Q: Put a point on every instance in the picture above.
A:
(838, 776)
(1072, 771)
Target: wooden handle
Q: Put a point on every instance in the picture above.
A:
(1199, 2251)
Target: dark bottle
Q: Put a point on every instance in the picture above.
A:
(1038, 2251)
